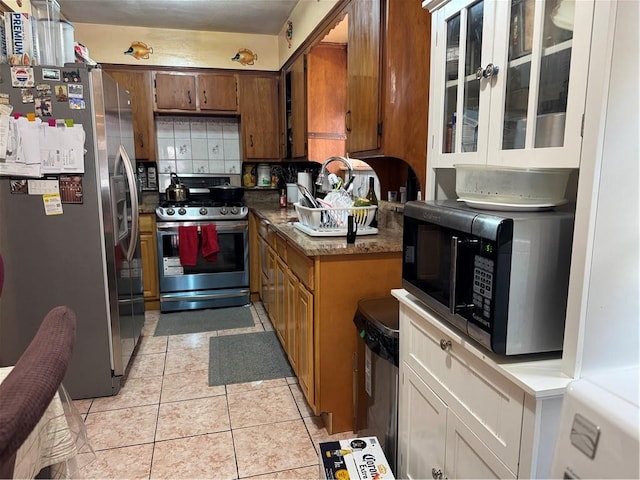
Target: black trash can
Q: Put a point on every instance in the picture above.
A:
(375, 386)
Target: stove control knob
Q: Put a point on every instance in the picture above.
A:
(234, 210)
(223, 211)
(170, 211)
(203, 211)
(182, 211)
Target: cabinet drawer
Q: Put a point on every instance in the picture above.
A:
(265, 232)
(280, 247)
(301, 266)
(490, 404)
(147, 224)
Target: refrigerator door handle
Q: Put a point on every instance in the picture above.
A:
(131, 179)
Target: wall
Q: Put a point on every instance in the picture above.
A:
(183, 48)
(305, 17)
(188, 48)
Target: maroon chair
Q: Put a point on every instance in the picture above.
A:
(29, 388)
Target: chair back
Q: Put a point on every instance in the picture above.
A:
(29, 388)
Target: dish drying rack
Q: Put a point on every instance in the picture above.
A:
(332, 222)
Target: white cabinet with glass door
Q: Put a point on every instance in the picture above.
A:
(508, 81)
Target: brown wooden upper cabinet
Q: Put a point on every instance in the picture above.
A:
(296, 109)
(259, 115)
(196, 92)
(363, 76)
(139, 85)
(217, 92)
(175, 91)
(405, 84)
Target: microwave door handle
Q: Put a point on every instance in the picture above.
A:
(452, 275)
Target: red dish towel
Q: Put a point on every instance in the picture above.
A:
(210, 247)
(188, 245)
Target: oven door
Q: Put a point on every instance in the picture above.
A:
(223, 277)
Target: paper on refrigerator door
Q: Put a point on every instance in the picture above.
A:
(5, 111)
(22, 153)
(62, 149)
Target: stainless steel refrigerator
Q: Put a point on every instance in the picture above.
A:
(88, 257)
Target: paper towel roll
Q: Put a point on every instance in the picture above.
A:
(304, 178)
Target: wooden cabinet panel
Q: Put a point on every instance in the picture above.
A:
(149, 257)
(363, 76)
(326, 101)
(217, 92)
(291, 301)
(301, 266)
(405, 92)
(139, 85)
(260, 117)
(175, 91)
(305, 343)
(279, 318)
(255, 262)
(296, 109)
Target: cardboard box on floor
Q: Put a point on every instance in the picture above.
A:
(354, 459)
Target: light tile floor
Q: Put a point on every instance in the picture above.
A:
(166, 422)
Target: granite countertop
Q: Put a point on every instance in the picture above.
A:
(387, 240)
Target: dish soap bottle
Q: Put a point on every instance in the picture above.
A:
(373, 201)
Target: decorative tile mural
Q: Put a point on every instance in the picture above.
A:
(198, 145)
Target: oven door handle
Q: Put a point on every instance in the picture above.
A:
(207, 296)
(222, 227)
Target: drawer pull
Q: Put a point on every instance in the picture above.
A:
(445, 344)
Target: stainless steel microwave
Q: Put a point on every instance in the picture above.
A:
(500, 277)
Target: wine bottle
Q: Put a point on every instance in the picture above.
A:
(373, 201)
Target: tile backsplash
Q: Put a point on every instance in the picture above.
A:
(198, 145)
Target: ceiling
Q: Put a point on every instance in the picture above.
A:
(236, 16)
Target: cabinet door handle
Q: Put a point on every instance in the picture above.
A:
(189, 96)
(347, 120)
(445, 344)
(490, 71)
(251, 140)
(141, 140)
(204, 94)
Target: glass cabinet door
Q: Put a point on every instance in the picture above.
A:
(509, 81)
(553, 67)
(540, 98)
(465, 28)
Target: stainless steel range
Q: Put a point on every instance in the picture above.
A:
(191, 276)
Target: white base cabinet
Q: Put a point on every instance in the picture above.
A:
(466, 413)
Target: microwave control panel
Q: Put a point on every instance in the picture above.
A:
(483, 269)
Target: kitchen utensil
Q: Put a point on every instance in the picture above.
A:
(306, 194)
(177, 191)
(226, 193)
(292, 193)
(304, 178)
